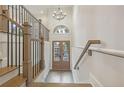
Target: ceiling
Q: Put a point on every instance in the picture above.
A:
(40, 10)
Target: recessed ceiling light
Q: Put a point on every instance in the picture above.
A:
(41, 11)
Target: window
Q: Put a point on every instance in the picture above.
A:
(61, 29)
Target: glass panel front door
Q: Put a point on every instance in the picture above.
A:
(61, 55)
(66, 51)
(57, 51)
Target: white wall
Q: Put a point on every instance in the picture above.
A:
(81, 75)
(106, 24)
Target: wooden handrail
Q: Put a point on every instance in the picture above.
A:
(112, 52)
(85, 50)
(34, 17)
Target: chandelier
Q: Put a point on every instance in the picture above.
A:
(58, 14)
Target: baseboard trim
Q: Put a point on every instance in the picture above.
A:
(45, 77)
(75, 76)
(42, 76)
(94, 81)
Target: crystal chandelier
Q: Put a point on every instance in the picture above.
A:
(58, 14)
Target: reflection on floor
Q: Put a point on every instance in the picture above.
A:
(59, 77)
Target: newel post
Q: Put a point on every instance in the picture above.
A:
(3, 19)
(42, 53)
(27, 66)
(42, 62)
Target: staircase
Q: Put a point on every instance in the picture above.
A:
(17, 81)
(61, 85)
(9, 77)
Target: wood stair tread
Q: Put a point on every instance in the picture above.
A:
(6, 70)
(61, 85)
(14, 82)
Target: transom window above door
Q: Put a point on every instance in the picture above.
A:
(61, 29)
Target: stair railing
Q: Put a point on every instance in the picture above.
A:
(20, 28)
(85, 50)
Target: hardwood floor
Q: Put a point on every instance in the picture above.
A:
(59, 77)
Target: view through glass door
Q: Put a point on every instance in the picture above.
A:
(61, 55)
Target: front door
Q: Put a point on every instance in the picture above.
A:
(61, 55)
